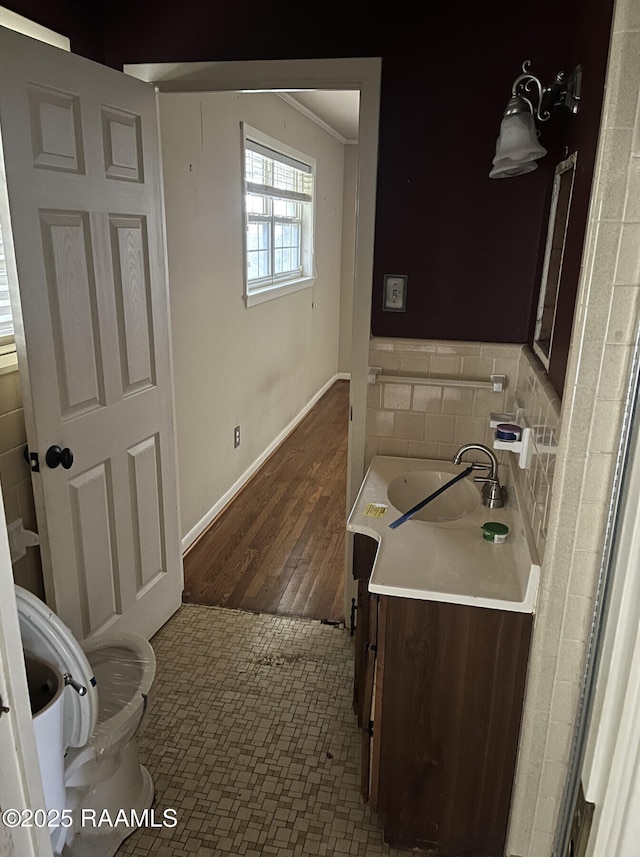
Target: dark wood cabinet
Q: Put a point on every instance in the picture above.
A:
(449, 688)
(364, 552)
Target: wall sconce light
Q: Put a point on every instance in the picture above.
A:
(517, 147)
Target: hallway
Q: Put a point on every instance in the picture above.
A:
(279, 545)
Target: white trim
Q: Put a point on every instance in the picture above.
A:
(19, 24)
(277, 290)
(20, 784)
(227, 497)
(609, 774)
(8, 363)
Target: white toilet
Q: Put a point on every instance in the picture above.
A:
(107, 683)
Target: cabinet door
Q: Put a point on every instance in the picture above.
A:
(367, 696)
(362, 640)
(364, 551)
(450, 714)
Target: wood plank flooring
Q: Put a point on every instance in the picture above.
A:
(278, 547)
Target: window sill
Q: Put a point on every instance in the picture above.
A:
(8, 363)
(278, 290)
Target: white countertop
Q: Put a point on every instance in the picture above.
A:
(446, 561)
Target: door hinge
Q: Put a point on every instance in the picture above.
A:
(32, 460)
(3, 708)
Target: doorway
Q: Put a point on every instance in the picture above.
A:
(246, 371)
(194, 80)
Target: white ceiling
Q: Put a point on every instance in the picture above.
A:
(336, 110)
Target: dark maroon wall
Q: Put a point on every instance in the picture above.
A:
(79, 20)
(471, 247)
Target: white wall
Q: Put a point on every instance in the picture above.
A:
(255, 367)
(348, 255)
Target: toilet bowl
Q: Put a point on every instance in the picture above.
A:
(46, 689)
(107, 684)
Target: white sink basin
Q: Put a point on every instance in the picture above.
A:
(442, 555)
(409, 489)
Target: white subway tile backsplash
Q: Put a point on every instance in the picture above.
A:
(445, 366)
(577, 619)
(469, 430)
(605, 426)
(632, 201)
(409, 426)
(622, 80)
(570, 660)
(584, 571)
(446, 451)
(623, 314)
(394, 446)
(423, 449)
(380, 423)
(547, 815)
(478, 368)
(428, 399)
(413, 363)
(564, 702)
(614, 371)
(457, 400)
(628, 267)
(440, 428)
(396, 397)
(541, 844)
(612, 179)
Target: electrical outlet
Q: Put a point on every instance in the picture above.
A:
(236, 437)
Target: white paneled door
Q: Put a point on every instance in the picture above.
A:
(90, 297)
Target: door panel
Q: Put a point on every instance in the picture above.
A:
(83, 182)
(71, 291)
(133, 300)
(94, 537)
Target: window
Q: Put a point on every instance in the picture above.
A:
(553, 257)
(7, 341)
(278, 201)
(6, 320)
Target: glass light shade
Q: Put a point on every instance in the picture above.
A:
(517, 147)
(506, 168)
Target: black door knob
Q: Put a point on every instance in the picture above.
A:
(56, 456)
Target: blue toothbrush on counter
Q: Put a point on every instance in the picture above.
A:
(423, 503)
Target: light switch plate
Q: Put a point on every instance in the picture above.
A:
(394, 297)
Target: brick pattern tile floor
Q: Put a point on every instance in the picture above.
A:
(250, 737)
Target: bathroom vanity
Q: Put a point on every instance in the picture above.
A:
(441, 659)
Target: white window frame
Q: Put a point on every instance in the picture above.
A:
(257, 292)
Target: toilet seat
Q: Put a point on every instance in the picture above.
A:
(124, 667)
(44, 635)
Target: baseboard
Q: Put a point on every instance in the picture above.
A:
(193, 534)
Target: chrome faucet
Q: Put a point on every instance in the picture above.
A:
(492, 492)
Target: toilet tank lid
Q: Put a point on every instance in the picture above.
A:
(45, 635)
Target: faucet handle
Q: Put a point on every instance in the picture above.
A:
(479, 465)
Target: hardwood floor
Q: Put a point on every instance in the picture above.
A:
(278, 547)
